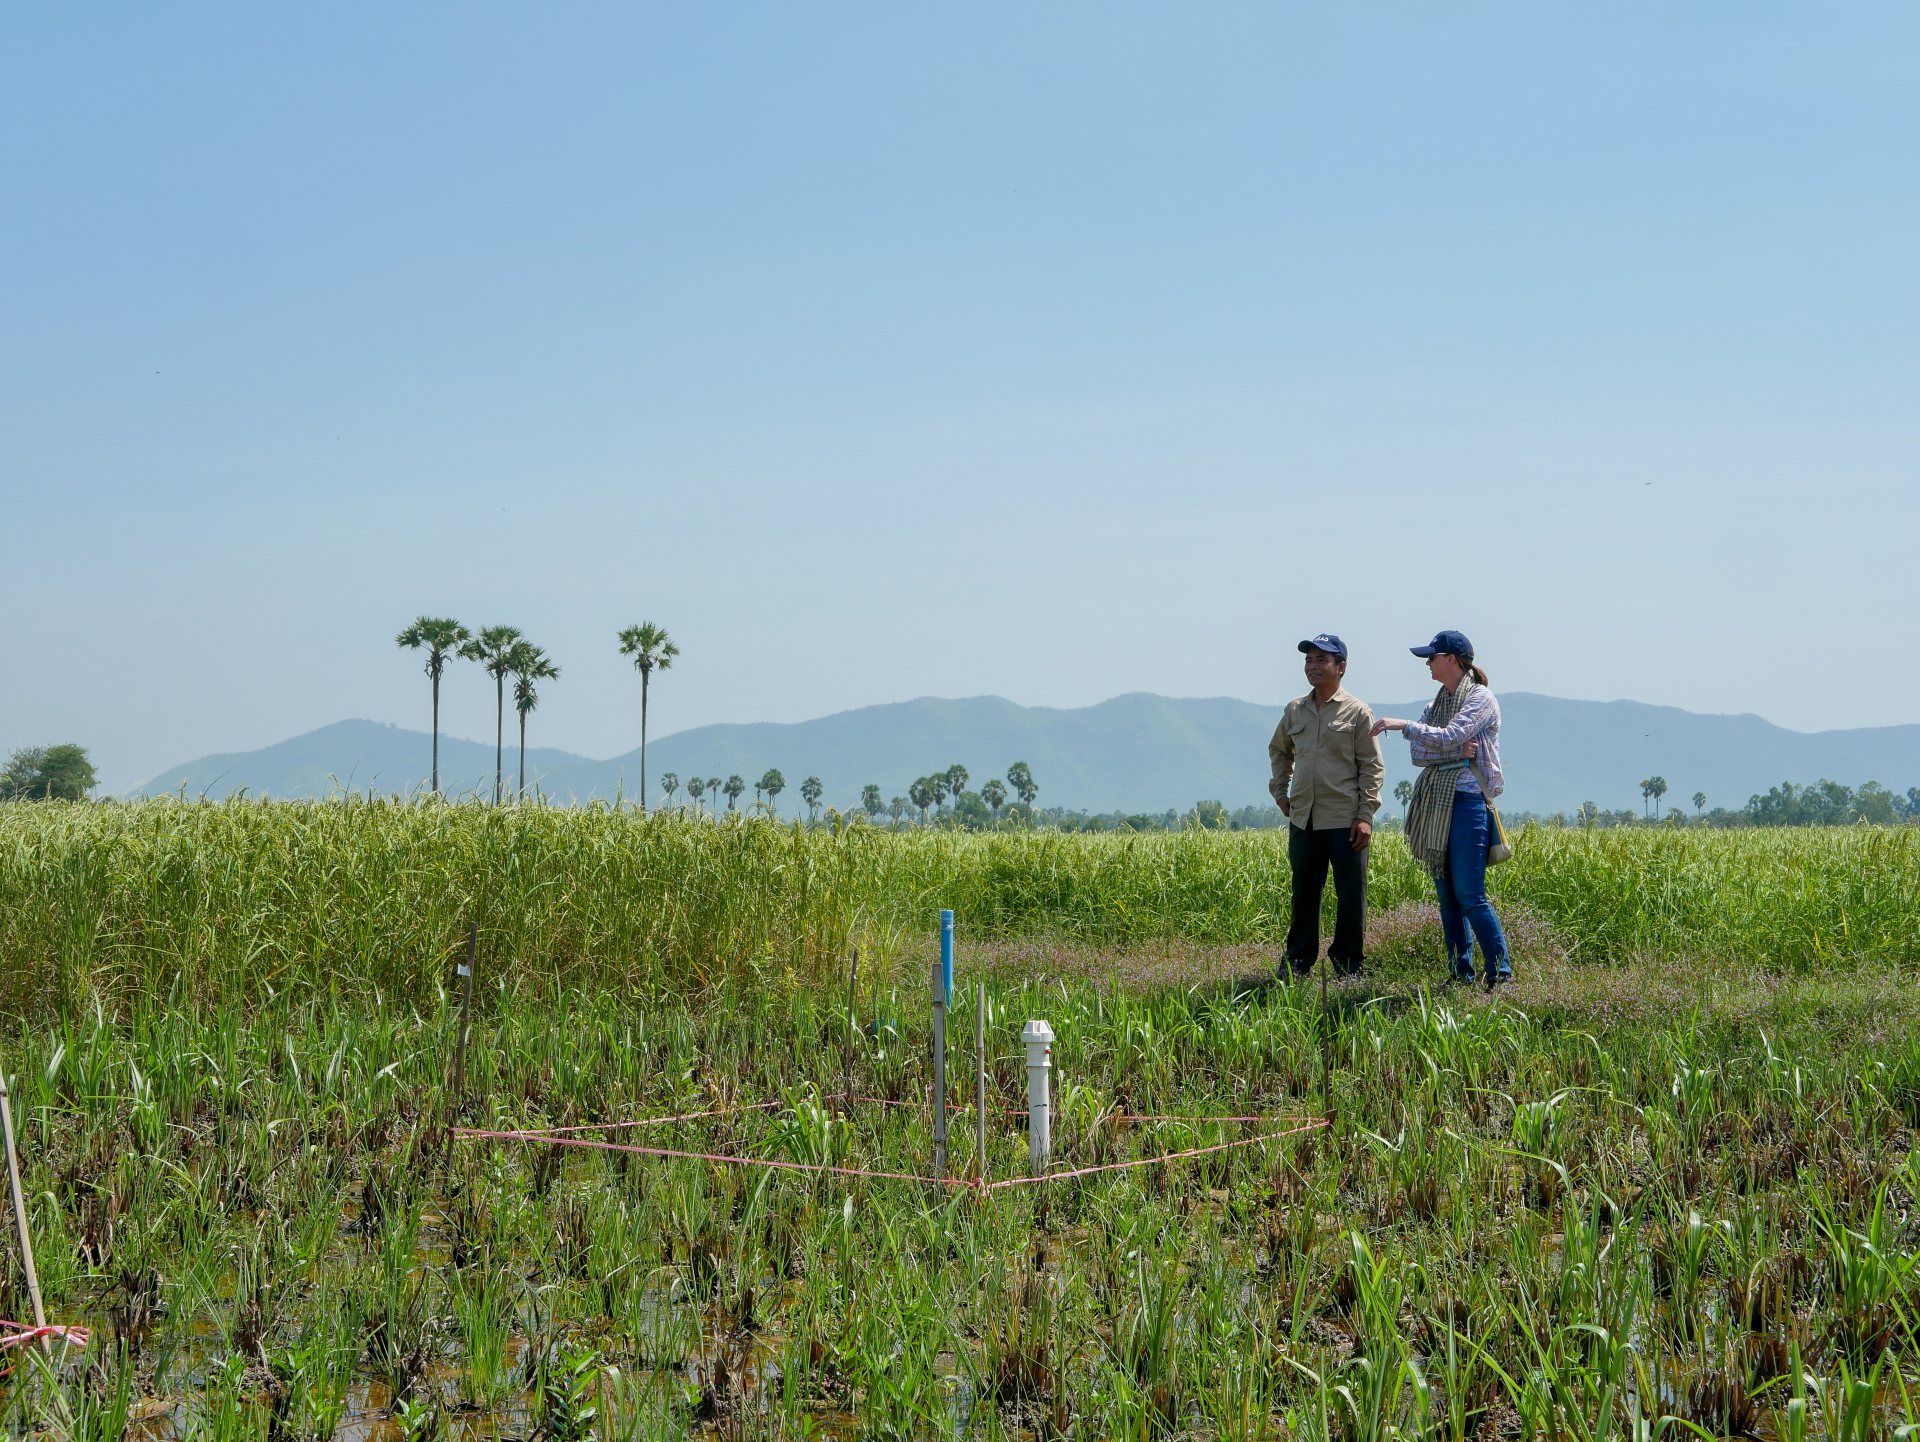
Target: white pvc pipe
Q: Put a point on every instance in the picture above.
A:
(1038, 1037)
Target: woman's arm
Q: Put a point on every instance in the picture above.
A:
(1474, 716)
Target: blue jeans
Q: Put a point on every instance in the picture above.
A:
(1463, 894)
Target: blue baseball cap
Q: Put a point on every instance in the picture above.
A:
(1331, 644)
(1447, 643)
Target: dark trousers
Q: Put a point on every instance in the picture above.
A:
(1312, 854)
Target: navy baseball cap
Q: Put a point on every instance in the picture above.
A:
(1332, 645)
(1447, 643)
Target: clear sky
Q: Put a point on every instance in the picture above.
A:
(879, 351)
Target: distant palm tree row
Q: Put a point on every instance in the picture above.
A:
(926, 793)
(503, 651)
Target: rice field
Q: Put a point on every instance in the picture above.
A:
(217, 904)
(1667, 1185)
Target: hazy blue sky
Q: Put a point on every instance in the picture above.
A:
(878, 351)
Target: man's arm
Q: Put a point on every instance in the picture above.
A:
(1371, 771)
(1280, 759)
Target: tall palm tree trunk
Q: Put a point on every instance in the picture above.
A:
(523, 756)
(643, 743)
(499, 734)
(436, 733)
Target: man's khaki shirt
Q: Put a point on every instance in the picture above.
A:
(1326, 763)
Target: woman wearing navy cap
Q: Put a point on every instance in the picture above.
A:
(1456, 745)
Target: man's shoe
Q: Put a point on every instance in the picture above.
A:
(1346, 968)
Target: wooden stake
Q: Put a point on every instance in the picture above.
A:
(19, 1203)
(980, 1090)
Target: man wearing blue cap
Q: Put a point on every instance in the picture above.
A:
(1327, 771)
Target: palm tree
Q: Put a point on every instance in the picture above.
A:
(733, 788)
(713, 790)
(443, 637)
(897, 808)
(871, 801)
(1699, 801)
(1020, 778)
(1657, 785)
(696, 788)
(491, 649)
(773, 783)
(956, 780)
(810, 792)
(528, 664)
(922, 794)
(669, 784)
(650, 647)
(1403, 793)
(994, 793)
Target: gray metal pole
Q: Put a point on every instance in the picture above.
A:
(466, 1011)
(980, 1088)
(939, 1072)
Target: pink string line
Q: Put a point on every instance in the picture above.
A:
(648, 1121)
(971, 1183)
(24, 1336)
(784, 1166)
(1315, 1124)
(1116, 1116)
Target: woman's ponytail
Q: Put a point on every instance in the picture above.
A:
(1479, 676)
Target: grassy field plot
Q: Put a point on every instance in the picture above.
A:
(1668, 1184)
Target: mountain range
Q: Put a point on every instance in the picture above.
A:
(1138, 752)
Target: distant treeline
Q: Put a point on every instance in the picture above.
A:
(1823, 803)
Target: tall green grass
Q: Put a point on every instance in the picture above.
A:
(217, 902)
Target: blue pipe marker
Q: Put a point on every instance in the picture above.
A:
(946, 955)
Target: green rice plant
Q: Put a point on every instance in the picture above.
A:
(73, 1403)
(228, 1411)
(484, 1326)
(1871, 1275)
(1372, 1385)
(1146, 1334)
(312, 1370)
(1848, 1402)
(808, 1131)
(1679, 1263)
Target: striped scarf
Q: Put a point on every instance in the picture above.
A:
(1430, 812)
